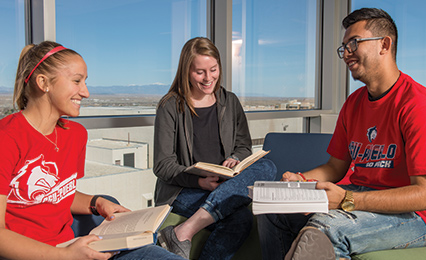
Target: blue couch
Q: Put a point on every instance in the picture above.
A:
(293, 152)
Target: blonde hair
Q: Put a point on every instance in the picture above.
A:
(29, 58)
(181, 87)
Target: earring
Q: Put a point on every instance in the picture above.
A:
(47, 90)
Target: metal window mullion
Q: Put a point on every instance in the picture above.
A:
(40, 21)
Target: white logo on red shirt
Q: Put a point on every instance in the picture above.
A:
(372, 133)
(38, 182)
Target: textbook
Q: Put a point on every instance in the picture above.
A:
(209, 169)
(287, 197)
(128, 230)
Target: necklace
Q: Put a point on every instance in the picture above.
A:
(56, 133)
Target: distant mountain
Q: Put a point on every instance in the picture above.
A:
(152, 89)
(6, 90)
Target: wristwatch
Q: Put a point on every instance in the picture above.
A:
(348, 203)
(93, 205)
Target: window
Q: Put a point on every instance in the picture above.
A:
(409, 19)
(12, 40)
(129, 159)
(131, 48)
(274, 54)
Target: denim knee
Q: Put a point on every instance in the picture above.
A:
(334, 226)
(267, 168)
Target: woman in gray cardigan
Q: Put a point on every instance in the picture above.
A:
(198, 120)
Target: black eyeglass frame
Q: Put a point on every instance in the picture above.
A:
(341, 49)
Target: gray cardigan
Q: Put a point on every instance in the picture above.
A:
(173, 143)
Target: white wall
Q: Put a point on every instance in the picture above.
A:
(129, 188)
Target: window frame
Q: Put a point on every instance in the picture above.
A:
(332, 76)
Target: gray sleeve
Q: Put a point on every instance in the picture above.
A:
(166, 164)
(242, 146)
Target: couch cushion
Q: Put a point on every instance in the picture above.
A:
(395, 254)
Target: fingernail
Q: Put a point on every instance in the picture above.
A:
(100, 237)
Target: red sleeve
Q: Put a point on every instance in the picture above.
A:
(9, 154)
(338, 146)
(81, 134)
(413, 128)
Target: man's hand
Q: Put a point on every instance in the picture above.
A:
(335, 194)
(291, 176)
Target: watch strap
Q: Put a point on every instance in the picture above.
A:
(93, 205)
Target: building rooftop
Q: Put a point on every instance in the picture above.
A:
(95, 169)
(114, 144)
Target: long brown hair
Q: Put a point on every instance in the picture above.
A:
(181, 87)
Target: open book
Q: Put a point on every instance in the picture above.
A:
(287, 197)
(210, 169)
(128, 230)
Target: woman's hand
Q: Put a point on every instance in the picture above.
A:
(230, 162)
(209, 183)
(291, 176)
(80, 249)
(107, 208)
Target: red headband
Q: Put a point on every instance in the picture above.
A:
(52, 51)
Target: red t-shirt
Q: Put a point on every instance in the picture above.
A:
(38, 181)
(385, 139)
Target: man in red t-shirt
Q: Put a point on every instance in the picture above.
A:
(380, 132)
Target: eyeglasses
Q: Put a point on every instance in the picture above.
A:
(352, 45)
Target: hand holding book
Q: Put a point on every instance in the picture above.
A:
(287, 197)
(289, 176)
(129, 230)
(209, 169)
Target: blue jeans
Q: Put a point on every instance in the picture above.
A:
(227, 204)
(151, 252)
(350, 233)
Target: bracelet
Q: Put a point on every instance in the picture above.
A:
(233, 157)
(93, 205)
(303, 176)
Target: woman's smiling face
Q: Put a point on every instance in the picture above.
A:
(69, 87)
(203, 75)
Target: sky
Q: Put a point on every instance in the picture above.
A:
(411, 54)
(138, 42)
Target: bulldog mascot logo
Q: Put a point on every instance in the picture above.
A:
(38, 182)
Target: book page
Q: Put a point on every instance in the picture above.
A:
(215, 168)
(287, 184)
(249, 160)
(134, 221)
(285, 195)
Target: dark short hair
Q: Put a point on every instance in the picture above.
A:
(379, 22)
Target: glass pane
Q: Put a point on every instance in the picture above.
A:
(275, 53)
(12, 40)
(409, 19)
(131, 48)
